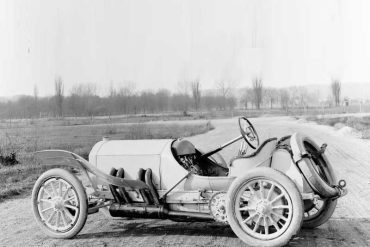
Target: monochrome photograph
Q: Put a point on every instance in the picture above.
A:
(183, 123)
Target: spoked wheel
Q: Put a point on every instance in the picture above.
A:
(313, 211)
(264, 208)
(59, 203)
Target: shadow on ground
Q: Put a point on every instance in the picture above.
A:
(337, 232)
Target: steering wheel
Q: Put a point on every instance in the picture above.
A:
(248, 132)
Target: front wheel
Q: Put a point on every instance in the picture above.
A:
(59, 203)
(264, 208)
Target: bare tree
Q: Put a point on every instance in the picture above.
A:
(127, 89)
(336, 87)
(270, 96)
(181, 101)
(257, 87)
(36, 100)
(224, 89)
(112, 91)
(195, 89)
(111, 99)
(284, 99)
(59, 95)
(247, 97)
(125, 95)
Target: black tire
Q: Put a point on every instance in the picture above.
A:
(70, 205)
(316, 178)
(273, 232)
(322, 217)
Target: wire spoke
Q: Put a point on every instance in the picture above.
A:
(71, 207)
(249, 218)
(46, 200)
(266, 225)
(274, 223)
(66, 192)
(63, 218)
(68, 199)
(53, 188)
(257, 223)
(51, 217)
(47, 192)
(70, 216)
(46, 209)
(58, 219)
(270, 192)
(280, 207)
(280, 216)
(247, 208)
(245, 197)
(277, 198)
(261, 191)
(251, 189)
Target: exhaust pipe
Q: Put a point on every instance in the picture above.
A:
(154, 212)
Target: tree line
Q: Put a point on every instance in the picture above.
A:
(83, 100)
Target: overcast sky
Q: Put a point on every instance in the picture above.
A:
(158, 43)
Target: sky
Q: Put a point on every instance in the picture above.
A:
(157, 44)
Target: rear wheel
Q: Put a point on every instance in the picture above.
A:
(59, 203)
(264, 208)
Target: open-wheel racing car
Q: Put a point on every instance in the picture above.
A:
(265, 196)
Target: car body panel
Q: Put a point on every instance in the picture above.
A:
(132, 155)
(171, 172)
(195, 182)
(241, 165)
(282, 161)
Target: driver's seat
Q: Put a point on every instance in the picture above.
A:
(261, 157)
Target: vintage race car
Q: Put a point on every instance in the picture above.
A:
(265, 196)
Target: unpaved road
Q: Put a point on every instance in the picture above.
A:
(349, 226)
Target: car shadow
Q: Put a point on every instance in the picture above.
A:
(336, 232)
(162, 227)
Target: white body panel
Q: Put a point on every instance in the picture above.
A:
(240, 166)
(282, 161)
(171, 171)
(269, 156)
(131, 155)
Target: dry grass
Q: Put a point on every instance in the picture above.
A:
(25, 139)
(361, 124)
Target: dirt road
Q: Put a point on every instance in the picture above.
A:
(349, 226)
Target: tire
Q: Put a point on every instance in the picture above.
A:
(327, 206)
(316, 178)
(327, 210)
(281, 196)
(59, 203)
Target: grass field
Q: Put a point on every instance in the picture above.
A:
(359, 123)
(23, 138)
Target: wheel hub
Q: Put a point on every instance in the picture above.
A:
(263, 208)
(58, 204)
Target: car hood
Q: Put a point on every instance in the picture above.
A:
(129, 147)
